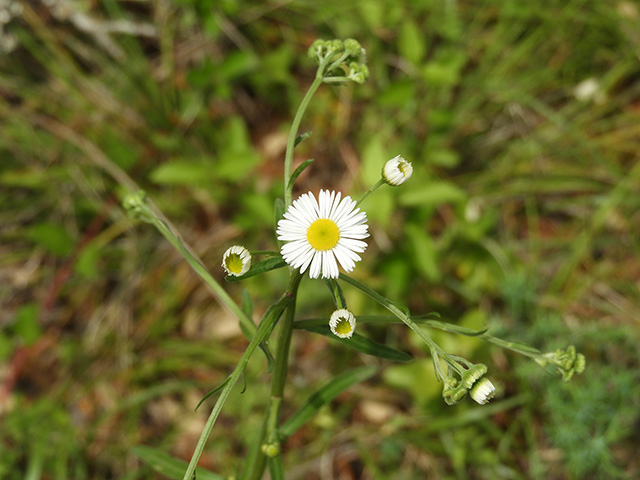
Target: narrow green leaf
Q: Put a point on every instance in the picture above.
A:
(336, 292)
(52, 237)
(168, 466)
(266, 265)
(301, 168)
(419, 319)
(384, 301)
(247, 303)
(361, 344)
(278, 210)
(27, 325)
(301, 138)
(325, 395)
(451, 328)
(212, 392)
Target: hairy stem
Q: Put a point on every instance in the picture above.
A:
(257, 464)
(293, 132)
(263, 331)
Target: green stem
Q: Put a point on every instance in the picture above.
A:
(262, 333)
(256, 461)
(284, 339)
(288, 158)
(391, 306)
(370, 191)
(202, 271)
(279, 375)
(525, 350)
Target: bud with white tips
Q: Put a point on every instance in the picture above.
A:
(397, 171)
(236, 260)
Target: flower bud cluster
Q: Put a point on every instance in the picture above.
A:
(136, 206)
(480, 389)
(568, 361)
(340, 61)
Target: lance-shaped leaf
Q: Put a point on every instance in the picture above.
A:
(451, 328)
(359, 343)
(300, 138)
(278, 210)
(325, 395)
(168, 466)
(212, 392)
(296, 173)
(271, 263)
(336, 292)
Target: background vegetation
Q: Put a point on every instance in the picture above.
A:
(522, 122)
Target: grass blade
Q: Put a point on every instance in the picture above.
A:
(361, 344)
(168, 466)
(325, 395)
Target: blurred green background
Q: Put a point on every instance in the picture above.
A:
(522, 120)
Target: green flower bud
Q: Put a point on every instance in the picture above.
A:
(568, 361)
(452, 393)
(358, 72)
(334, 46)
(136, 206)
(317, 50)
(471, 376)
(353, 49)
(271, 450)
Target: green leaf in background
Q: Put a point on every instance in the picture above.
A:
(237, 156)
(325, 395)
(374, 156)
(168, 466)
(53, 238)
(435, 193)
(444, 158)
(184, 171)
(411, 42)
(398, 94)
(359, 343)
(27, 326)
(373, 13)
(25, 177)
(424, 252)
(271, 263)
(124, 154)
(6, 347)
(87, 262)
(236, 64)
(417, 377)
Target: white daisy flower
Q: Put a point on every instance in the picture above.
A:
(482, 391)
(236, 260)
(342, 323)
(397, 171)
(317, 233)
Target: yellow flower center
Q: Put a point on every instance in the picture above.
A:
(234, 263)
(343, 327)
(323, 234)
(402, 168)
